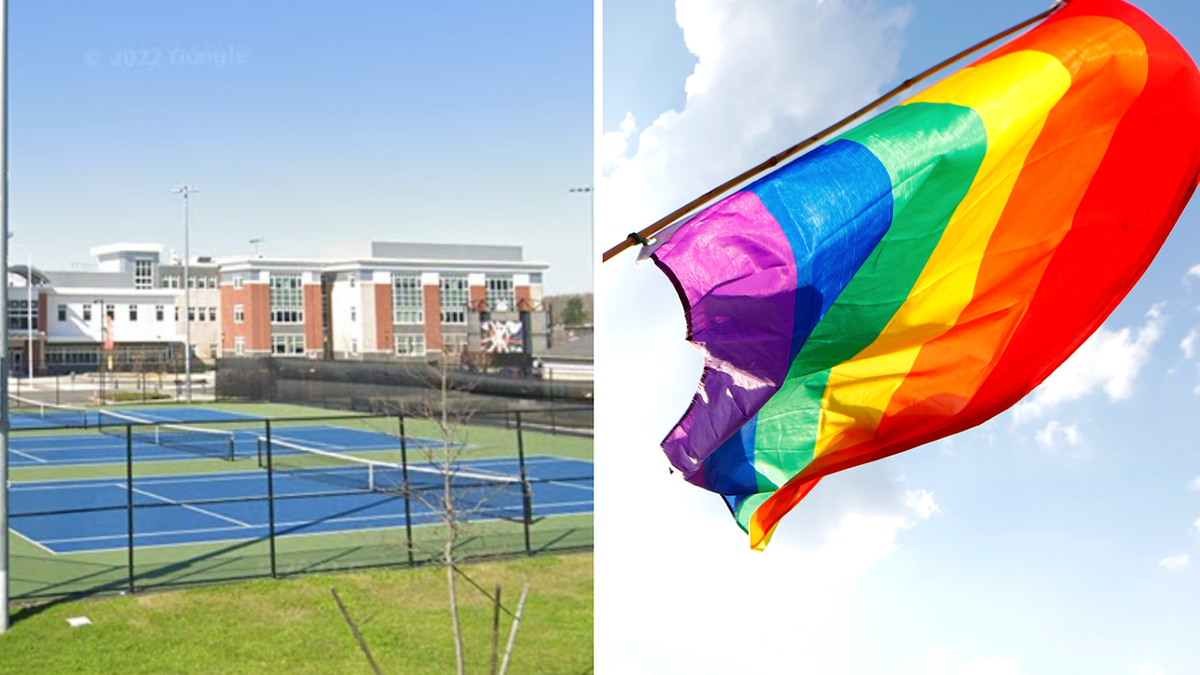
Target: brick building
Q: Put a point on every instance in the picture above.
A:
(382, 301)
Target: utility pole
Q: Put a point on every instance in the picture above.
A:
(29, 317)
(591, 227)
(186, 190)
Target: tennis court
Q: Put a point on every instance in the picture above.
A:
(30, 414)
(147, 497)
(176, 443)
(198, 508)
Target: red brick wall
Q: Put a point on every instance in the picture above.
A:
(314, 325)
(433, 317)
(256, 298)
(383, 318)
(43, 313)
(522, 295)
(478, 298)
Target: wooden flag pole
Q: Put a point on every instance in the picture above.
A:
(658, 226)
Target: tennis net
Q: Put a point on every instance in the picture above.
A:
(217, 443)
(63, 415)
(474, 492)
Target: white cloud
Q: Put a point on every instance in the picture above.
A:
(941, 662)
(1176, 563)
(1188, 345)
(1147, 668)
(1193, 271)
(1108, 361)
(1053, 430)
(1195, 484)
(615, 144)
(1196, 526)
(768, 75)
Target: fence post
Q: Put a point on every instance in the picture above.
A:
(526, 491)
(412, 561)
(271, 504)
(129, 500)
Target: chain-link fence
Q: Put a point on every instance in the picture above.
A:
(121, 506)
(375, 386)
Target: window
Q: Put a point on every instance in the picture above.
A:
(353, 314)
(177, 313)
(170, 281)
(410, 345)
(210, 282)
(500, 294)
(353, 345)
(191, 313)
(62, 312)
(191, 282)
(19, 314)
(353, 280)
(455, 297)
(212, 314)
(158, 312)
(143, 273)
(239, 345)
(110, 311)
(408, 300)
(239, 313)
(237, 281)
(133, 312)
(287, 345)
(287, 299)
(87, 312)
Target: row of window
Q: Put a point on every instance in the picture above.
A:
(173, 281)
(293, 345)
(408, 298)
(199, 314)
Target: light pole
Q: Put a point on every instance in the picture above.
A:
(255, 242)
(4, 355)
(591, 226)
(29, 317)
(186, 190)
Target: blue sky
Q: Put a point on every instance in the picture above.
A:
(310, 125)
(1061, 537)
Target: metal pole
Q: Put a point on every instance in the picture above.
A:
(271, 503)
(4, 351)
(591, 229)
(129, 501)
(412, 561)
(29, 317)
(186, 190)
(526, 490)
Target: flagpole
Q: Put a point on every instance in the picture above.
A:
(662, 223)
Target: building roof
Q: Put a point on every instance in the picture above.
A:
(109, 249)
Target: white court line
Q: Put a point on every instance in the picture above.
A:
(21, 454)
(571, 484)
(197, 509)
(33, 541)
(400, 517)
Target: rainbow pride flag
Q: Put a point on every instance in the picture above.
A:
(919, 274)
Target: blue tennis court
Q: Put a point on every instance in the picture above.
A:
(48, 415)
(222, 507)
(97, 448)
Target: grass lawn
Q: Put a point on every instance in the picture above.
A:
(293, 626)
